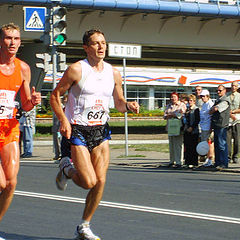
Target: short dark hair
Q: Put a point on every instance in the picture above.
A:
(89, 33)
(221, 86)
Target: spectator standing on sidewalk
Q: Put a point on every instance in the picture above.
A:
(233, 132)
(220, 120)
(28, 129)
(21, 120)
(191, 132)
(205, 126)
(56, 140)
(65, 144)
(173, 114)
(183, 97)
(199, 101)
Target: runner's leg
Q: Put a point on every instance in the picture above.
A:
(83, 174)
(10, 166)
(2, 179)
(90, 173)
(100, 160)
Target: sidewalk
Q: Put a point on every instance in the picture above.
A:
(43, 151)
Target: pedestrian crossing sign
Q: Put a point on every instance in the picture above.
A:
(34, 19)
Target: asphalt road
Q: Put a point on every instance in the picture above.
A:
(138, 204)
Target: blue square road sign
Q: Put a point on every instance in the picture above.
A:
(34, 18)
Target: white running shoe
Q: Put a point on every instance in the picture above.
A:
(83, 232)
(2, 238)
(207, 163)
(61, 179)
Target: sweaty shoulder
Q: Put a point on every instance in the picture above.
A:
(24, 66)
(25, 71)
(76, 67)
(74, 72)
(116, 73)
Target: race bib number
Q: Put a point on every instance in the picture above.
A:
(95, 112)
(7, 104)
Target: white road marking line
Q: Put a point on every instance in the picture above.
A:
(38, 161)
(134, 207)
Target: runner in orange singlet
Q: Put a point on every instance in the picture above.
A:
(9, 86)
(15, 75)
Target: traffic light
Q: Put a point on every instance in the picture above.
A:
(29, 54)
(59, 26)
(45, 58)
(61, 62)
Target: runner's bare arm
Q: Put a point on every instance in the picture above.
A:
(120, 103)
(71, 76)
(29, 99)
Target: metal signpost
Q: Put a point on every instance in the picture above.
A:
(124, 51)
(58, 34)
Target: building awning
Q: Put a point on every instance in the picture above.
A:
(200, 8)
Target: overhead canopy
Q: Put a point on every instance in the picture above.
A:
(213, 8)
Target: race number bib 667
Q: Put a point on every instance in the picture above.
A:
(6, 104)
(95, 112)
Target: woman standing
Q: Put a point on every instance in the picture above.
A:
(174, 113)
(191, 132)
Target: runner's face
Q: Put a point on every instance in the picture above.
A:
(10, 41)
(96, 47)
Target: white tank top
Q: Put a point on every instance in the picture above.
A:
(88, 101)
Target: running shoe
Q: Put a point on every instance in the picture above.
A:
(61, 179)
(83, 232)
(2, 238)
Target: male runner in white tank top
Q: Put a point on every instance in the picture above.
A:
(90, 84)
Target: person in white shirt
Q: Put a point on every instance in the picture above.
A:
(205, 125)
(90, 84)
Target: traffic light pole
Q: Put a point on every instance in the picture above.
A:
(55, 127)
(125, 114)
(54, 65)
(54, 80)
(54, 35)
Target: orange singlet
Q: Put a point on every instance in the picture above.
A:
(9, 86)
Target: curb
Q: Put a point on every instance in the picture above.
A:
(162, 167)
